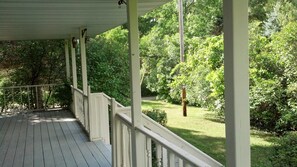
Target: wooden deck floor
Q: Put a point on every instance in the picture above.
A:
(48, 139)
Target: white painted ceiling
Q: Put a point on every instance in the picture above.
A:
(59, 19)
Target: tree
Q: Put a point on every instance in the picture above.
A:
(108, 64)
(32, 63)
(203, 74)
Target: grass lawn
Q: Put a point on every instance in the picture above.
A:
(202, 129)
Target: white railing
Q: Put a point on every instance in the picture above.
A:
(93, 112)
(162, 148)
(81, 108)
(28, 98)
(100, 116)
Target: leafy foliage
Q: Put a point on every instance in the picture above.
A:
(202, 74)
(108, 64)
(157, 115)
(272, 50)
(273, 81)
(285, 152)
(63, 95)
(273, 64)
(33, 62)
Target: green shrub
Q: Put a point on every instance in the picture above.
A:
(63, 95)
(285, 152)
(157, 115)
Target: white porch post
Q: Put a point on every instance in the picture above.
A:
(74, 75)
(237, 83)
(73, 60)
(82, 40)
(67, 60)
(138, 158)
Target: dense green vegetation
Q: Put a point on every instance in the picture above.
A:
(272, 51)
(108, 64)
(285, 152)
(206, 131)
(32, 62)
(273, 60)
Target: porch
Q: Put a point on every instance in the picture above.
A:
(48, 138)
(133, 134)
(97, 132)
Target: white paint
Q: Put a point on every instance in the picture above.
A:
(237, 83)
(48, 19)
(82, 41)
(99, 118)
(73, 64)
(138, 140)
(67, 60)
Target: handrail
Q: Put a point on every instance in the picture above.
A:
(81, 107)
(80, 91)
(125, 119)
(170, 150)
(10, 87)
(172, 147)
(28, 98)
(189, 155)
(25, 86)
(175, 139)
(109, 100)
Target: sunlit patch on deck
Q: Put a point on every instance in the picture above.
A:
(48, 138)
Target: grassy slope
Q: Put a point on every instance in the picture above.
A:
(203, 130)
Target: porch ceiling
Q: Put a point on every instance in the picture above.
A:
(58, 19)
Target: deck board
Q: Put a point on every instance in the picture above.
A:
(2, 121)
(58, 156)
(4, 128)
(77, 154)
(97, 152)
(67, 154)
(28, 159)
(38, 152)
(6, 140)
(20, 151)
(47, 139)
(11, 150)
(46, 145)
(88, 156)
(105, 150)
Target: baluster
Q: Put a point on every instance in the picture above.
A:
(180, 162)
(129, 147)
(12, 93)
(158, 154)
(115, 134)
(119, 139)
(80, 108)
(171, 159)
(4, 100)
(51, 90)
(123, 147)
(164, 157)
(36, 95)
(3, 105)
(149, 151)
(21, 96)
(28, 93)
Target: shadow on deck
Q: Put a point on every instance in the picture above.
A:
(53, 138)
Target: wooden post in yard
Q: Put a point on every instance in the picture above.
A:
(182, 54)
